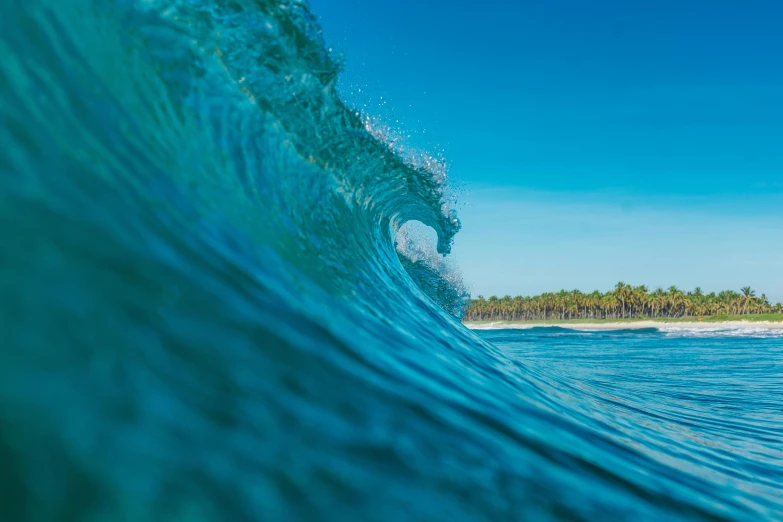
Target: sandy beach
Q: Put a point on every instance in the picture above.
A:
(635, 325)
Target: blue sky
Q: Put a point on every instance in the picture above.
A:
(596, 141)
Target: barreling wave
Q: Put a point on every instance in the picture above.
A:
(211, 308)
(274, 54)
(242, 95)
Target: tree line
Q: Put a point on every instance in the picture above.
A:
(622, 302)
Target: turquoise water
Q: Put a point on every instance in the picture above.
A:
(206, 314)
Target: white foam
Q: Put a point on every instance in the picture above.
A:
(722, 331)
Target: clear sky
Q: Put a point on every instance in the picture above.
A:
(596, 141)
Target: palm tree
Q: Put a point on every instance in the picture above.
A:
(642, 298)
(748, 295)
(675, 299)
(620, 292)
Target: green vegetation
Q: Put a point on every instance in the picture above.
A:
(709, 319)
(626, 303)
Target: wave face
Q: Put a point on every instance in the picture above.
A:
(209, 313)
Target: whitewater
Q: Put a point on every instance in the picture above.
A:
(212, 309)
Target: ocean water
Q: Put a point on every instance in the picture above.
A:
(211, 309)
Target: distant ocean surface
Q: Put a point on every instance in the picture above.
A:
(211, 311)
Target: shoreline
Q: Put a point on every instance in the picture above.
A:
(630, 325)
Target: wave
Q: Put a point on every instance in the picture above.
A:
(213, 309)
(717, 331)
